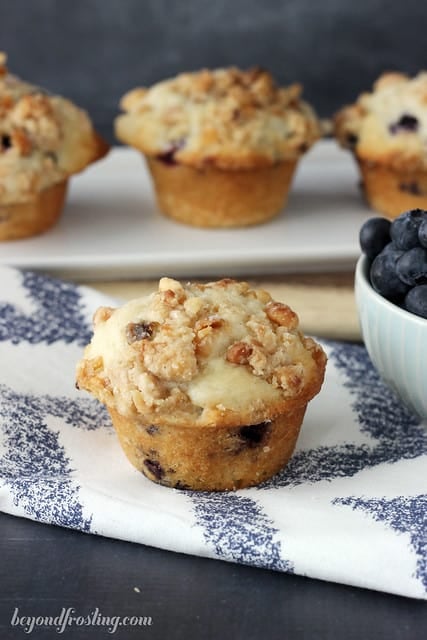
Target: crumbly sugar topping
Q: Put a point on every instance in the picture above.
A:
(196, 350)
(226, 118)
(389, 124)
(43, 139)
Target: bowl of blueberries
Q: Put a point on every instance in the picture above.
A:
(391, 298)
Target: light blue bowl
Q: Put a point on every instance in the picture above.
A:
(396, 341)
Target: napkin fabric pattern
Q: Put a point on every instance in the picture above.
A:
(350, 507)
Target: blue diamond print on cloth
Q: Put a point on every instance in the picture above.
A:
(58, 315)
(405, 514)
(34, 465)
(238, 530)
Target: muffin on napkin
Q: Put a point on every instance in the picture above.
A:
(206, 384)
(386, 130)
(221, 145)
(44, 139)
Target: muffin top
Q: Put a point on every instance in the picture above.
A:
(224, 118)
(388, 125)
(201, 354)
(43, 139)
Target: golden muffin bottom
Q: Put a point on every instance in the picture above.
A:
(209, 458)
(391, 192)
(26, 219)
(218, 198)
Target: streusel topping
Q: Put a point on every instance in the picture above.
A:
(43, 139)
(201, 352)
(389, 124)
(226, 118)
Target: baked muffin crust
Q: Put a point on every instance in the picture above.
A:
(223, 118)
(388, 125)
(43, 139)
(217, 354)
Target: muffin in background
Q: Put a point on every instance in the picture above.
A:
(386, 130)
(221, 145)
(206, 384)
(44, 139)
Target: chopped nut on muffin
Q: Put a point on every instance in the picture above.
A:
(222, 145)
(44, 139)
(386, 130)
(206, 384)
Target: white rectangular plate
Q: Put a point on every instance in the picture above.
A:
(112, 229)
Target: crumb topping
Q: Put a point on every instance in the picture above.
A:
(389, 124)
(43, 139)
(226, 118)
(199, 350)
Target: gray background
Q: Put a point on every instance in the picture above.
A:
(94, 50)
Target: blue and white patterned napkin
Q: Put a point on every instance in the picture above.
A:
(350, 507)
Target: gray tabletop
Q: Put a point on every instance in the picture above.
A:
(161, 595)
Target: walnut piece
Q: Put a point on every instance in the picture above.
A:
(239, 353)
(282, 315)
(102, 314)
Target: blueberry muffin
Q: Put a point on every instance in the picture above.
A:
(222, 145)
(206, 384)
(43, 140)
(386, 130)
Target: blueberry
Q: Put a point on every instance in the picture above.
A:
(152, 430)
(254, 434)
(5, 141)
(154, 468)
(391, 248)
(384, 278)
(404, 229)
(374, 236)
(406, 122)
(168, 155)
(136, 331)
(398, 268)
(181, 485)
(411, 267)
(416, 300)
(422, 232)
(411, 187)
(352, 140)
